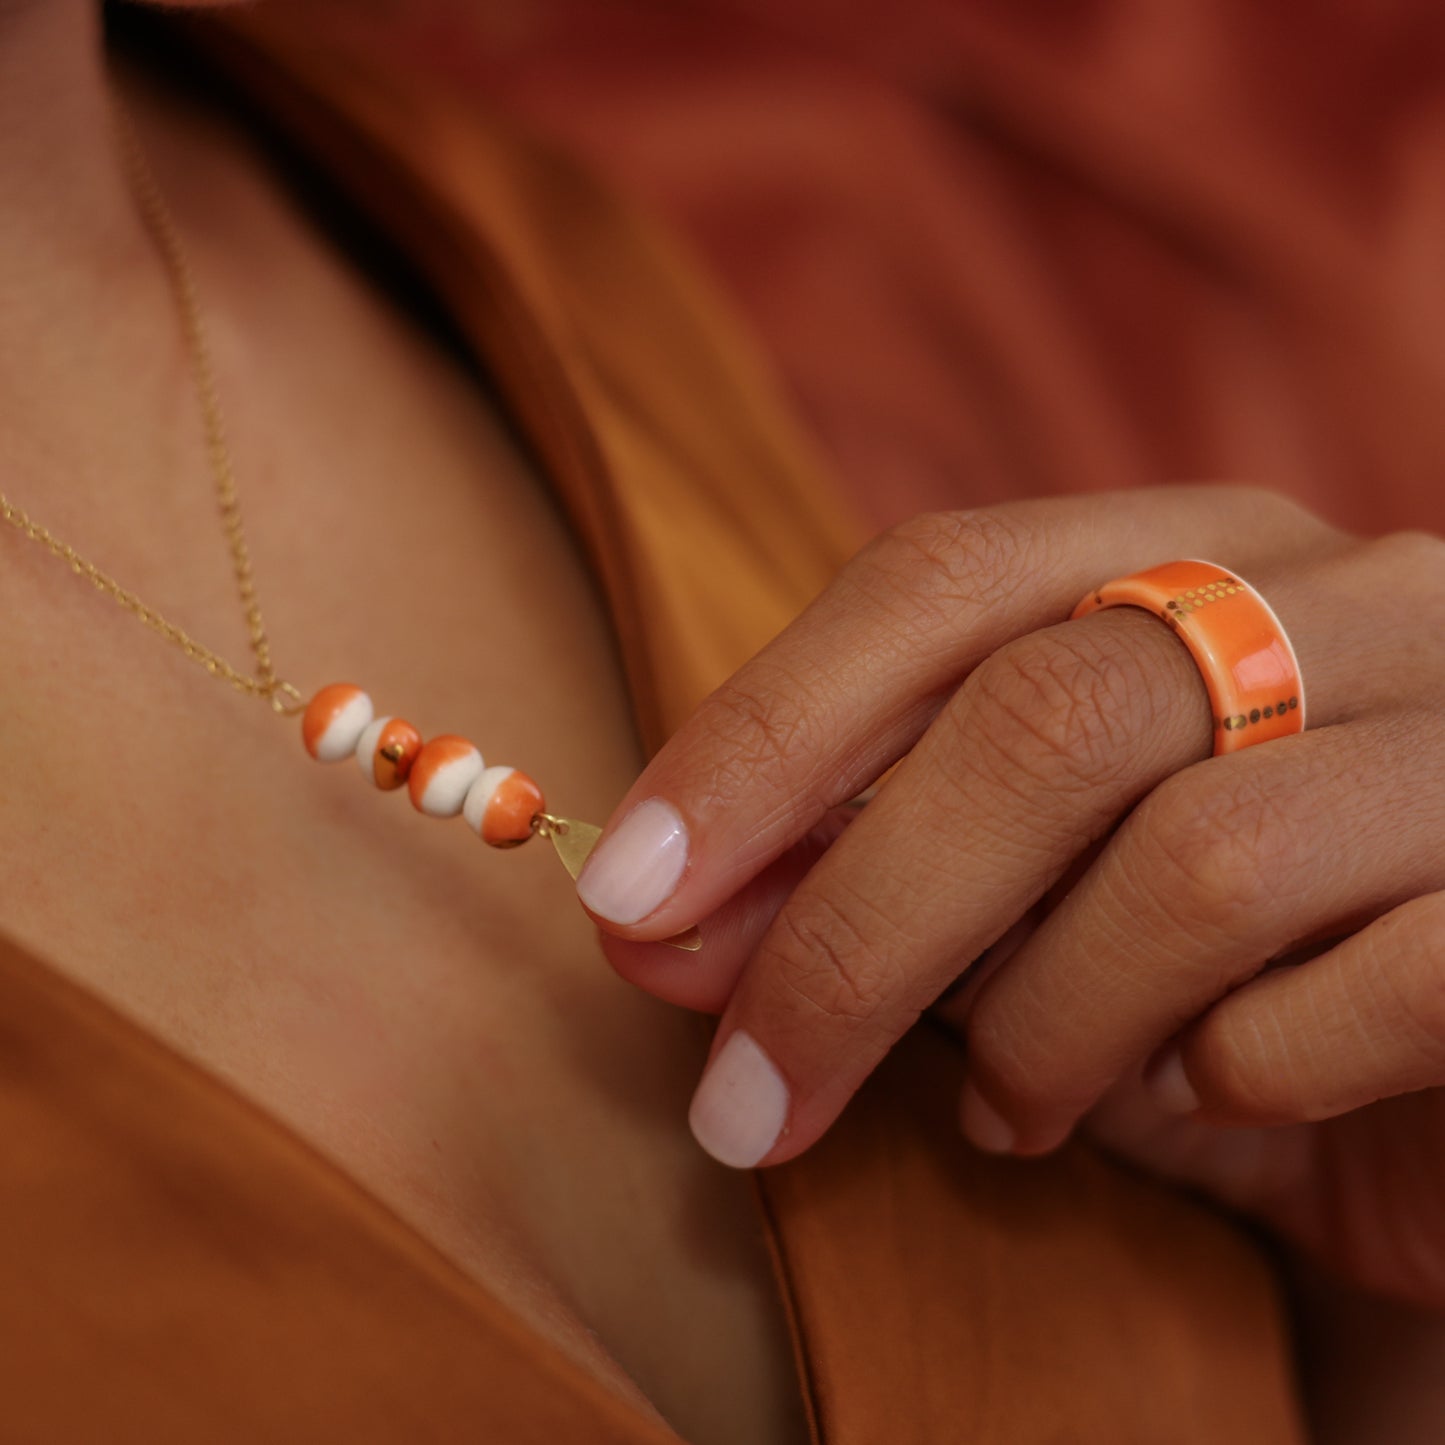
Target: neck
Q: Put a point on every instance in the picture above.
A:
(83, 301)
(62, 194)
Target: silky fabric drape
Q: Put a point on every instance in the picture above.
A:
(1002, 248)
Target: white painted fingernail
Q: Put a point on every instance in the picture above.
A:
(741, 1104)
(985, 1127)
(634, 871)
(1171, 1087)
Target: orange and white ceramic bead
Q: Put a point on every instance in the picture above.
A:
(387, 751)
(444, 770)
(501, 805)
(334, 722)
(445, 776)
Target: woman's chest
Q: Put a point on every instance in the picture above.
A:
(431, 1013)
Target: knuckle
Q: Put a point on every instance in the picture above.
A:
(755, 738)
(1219, 853)
(826, 961)
(1002, 1057)
(1260, 498)
(936, 564)
(1023, 1062)
(1263, 508)
(1424, 920)
(1406, 965)
(1259, 1062)
(761, 728)
(1241, 1068)
(1409, 554)
(1411, 565)
(1059, 707)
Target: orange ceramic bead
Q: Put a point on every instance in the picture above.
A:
(334, 721)
(501, 805)
(444, 770)
(387, 751)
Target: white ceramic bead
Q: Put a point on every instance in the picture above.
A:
(366, 745)
(474, 807)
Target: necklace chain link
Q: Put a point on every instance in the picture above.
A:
(263, 683)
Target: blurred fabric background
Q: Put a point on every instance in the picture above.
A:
(1005, 248)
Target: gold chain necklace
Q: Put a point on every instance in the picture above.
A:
(445, 776)
(264, 683)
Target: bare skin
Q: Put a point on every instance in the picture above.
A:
(419, 1008)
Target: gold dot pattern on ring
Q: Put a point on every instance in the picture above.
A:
(1237, 722)
(1193, 598)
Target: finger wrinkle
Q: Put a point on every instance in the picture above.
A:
(755, 733)
(1409, 990)
(952, 564)
(1247, 1068)
(1056, 728)
(1232, 885)
(826, 962)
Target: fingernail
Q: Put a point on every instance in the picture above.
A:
(741, 1104)
(634, 871)
(1170, 1085)
(985, 1127)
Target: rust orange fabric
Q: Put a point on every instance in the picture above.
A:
(1009, 248)
(179, 1268)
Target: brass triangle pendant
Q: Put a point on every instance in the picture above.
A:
(574, 840)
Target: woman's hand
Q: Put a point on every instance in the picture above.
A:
(1254, 941)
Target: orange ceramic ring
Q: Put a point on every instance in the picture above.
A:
(1248, 663)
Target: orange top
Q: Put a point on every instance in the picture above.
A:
(180, 1267)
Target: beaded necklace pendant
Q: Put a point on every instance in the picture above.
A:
(445, 777)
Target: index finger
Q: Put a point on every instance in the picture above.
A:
(850, 686)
